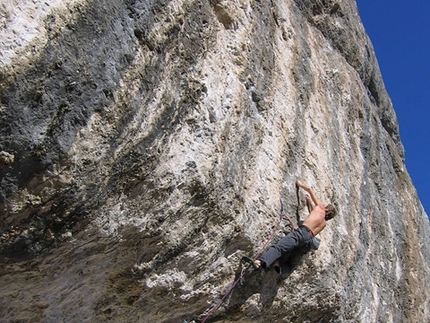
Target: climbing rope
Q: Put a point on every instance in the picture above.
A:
(257, 255)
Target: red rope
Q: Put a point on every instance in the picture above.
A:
(244, 270)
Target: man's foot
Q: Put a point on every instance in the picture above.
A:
(254, 263)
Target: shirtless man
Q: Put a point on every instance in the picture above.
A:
(319, 214)
(288, 251)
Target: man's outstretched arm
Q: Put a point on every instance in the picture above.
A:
(309, 203)
(311, 192)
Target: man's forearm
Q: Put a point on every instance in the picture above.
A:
(309, 203)
(308, 189)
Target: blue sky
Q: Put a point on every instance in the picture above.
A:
(400, 33)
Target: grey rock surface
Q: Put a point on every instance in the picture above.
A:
(146, 145)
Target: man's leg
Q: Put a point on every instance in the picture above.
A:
(283, 246)
(297, 256)
(280, 264)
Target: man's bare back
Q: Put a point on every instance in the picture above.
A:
(316, 220)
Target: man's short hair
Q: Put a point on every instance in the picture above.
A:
(331, 212)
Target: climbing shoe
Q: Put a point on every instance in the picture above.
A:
(250, 261)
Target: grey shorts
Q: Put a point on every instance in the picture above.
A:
(290, 248)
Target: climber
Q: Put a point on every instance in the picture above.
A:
(288, 251)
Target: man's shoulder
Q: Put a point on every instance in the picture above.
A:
(317, 211)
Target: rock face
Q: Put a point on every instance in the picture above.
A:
(146, 146)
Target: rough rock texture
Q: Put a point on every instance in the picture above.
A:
(146, 146)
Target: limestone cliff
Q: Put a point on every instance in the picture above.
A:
(146, 146)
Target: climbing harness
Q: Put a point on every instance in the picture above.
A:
(242, 274)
